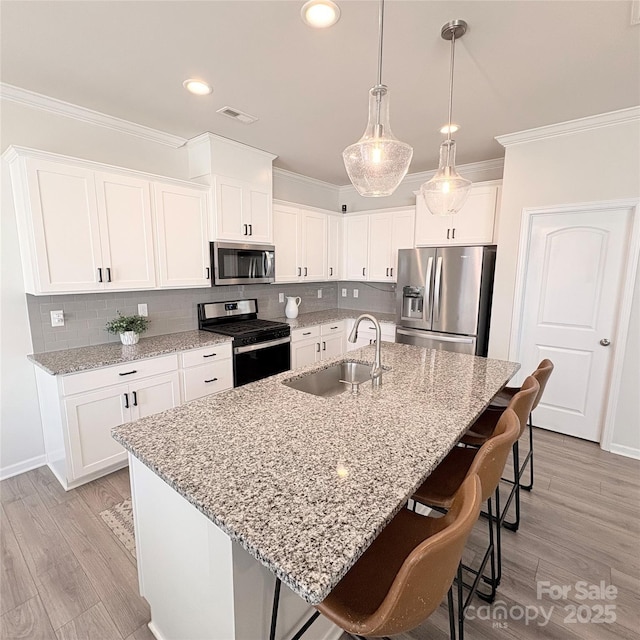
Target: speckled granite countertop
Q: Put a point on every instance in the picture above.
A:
(333, 315)
(59, 363)
(261, 461)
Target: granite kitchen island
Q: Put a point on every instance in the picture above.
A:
(300, 483)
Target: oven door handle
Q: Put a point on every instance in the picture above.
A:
(261, 345)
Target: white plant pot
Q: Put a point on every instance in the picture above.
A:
(129, 337)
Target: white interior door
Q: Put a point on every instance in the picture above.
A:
(572, 289)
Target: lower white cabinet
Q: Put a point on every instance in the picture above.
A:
(367, 333)
(206, 371)
(313, 344)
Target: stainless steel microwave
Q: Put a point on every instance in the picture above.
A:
(235, 263)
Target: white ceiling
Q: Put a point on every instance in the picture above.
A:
(522, 64)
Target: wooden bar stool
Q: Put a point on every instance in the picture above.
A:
(401, 579)
(488, 462)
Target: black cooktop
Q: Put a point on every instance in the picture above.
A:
(246, 327)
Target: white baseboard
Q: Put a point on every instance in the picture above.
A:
(622, 450)
(22, 467)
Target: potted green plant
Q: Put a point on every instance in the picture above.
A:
(129, 327)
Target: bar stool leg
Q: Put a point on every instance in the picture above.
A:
(274, 609)
(452, 614)
(528, 487)
(515, 491)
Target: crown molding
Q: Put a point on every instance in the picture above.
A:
(608, 119)
(472, 170)
(28, 98)
(208, 137)
(298, 177)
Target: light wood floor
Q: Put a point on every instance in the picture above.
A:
(64, 574)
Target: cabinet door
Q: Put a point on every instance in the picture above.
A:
(182, 236)
(258, 216)
(229, 198)
(402, 236)
(380, 230)
(431, 230)
(334, 247)
(356, 239)
(124, 208)
(314, 246)
(304, 353)
(473, 224)
(286, 221)
(65, 221)
(90, 418)
(206, 379)
(333, 346)
(153, 395)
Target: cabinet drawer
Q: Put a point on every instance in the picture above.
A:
(205, 355)
(108, 376)
(332, 327)
(207, 379)
(305, 334)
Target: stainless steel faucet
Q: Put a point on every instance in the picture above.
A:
(376, 369)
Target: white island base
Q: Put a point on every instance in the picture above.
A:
(200, 584)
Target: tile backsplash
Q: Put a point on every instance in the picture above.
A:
(170, 311)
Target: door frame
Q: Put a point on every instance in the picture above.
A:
(628, 284)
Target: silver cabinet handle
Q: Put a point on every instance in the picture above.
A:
(605, 342)
(426, 306)
(438, 286)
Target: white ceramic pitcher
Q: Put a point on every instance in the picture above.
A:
(291, 308)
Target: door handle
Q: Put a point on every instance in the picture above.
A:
(330, 271)
(135, 398)
(438, 286)
(212, 380)
(108, 274)
(324, 346)
(318, 349)
(605, 342)
(453, 235)
(391, 272)
(426, 304)
(250, 229)
(305, 272)
(387, 272)
(363, 271)
(126, 400)
(448, 232)
(210, 355)
(245, 229)
(128, 373)
(299, 271)
(208, 273)
(99, 274)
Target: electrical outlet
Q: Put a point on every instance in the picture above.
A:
(142, 310)
(355, 293)
(344, 293)
(281, 297)
(319, 293)
(57, 318)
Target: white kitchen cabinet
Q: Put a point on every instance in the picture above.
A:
(334, 247)
(206, 371)
(126, 232)
(473, 224)
(316, 343)
(300, 239)
(367, 333)
(242, 211)
(182, 236)
(304, 353)
(356, 247)
(372, 242)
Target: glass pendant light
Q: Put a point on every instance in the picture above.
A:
(378, 162)
(447, 191)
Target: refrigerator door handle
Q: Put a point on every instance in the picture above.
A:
(439, 338)
(438, 287)
(426, 307)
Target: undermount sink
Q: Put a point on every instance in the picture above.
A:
(333, 380)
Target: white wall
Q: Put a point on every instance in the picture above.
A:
(583, 166)
(21, 444)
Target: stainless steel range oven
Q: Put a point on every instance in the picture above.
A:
(261, 348)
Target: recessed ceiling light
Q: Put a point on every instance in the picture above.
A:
(320, 13)
(198, 87)
(454, 128)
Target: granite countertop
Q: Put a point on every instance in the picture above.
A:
(305, 483)
(333, 315)
(66, 361)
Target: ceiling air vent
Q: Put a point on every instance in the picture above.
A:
(236, 114)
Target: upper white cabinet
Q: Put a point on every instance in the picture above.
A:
(372, 242)
(334, 247)
(300, 239)
(183, 236)
(473, 224)
(87, 227)
(243, 211)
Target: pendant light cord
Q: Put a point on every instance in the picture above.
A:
(380, 29)
(453, 50)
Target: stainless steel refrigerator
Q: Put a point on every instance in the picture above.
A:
(444, 297)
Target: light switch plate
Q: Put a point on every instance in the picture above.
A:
(142, 310)
(355, 293)
(281, 297)
(57, 318)
(344, 293)
(319, 293)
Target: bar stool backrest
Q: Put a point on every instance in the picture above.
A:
(427, 573)
(492, 456)
(542, 375)
(522, 402)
